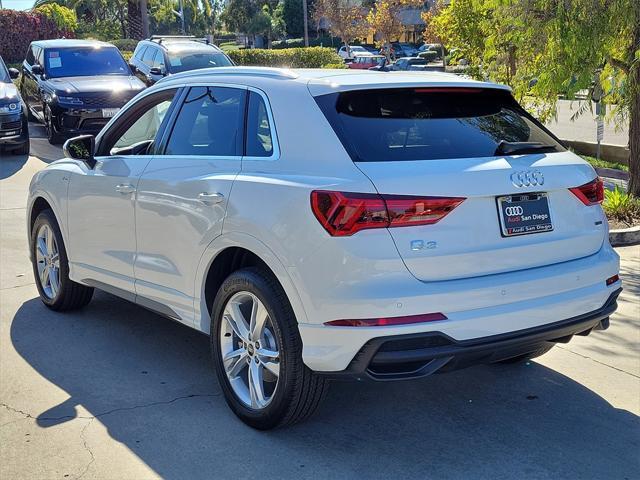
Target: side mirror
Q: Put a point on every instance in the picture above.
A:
(156, 71)
(14, 73)
(37, 69)
(82, 148)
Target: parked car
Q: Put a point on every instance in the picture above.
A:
(404, 50)
(160, 56)
(353, 51)
(363, 62)
(75, 86)
(14, 126)
(409, 63)
(329, 224)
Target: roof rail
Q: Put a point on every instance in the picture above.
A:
(159, 38)
(282, 73)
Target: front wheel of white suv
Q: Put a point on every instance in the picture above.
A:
(257, 352)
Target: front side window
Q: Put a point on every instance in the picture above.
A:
(158, 60)
(209, 123)
(259, 140)
(31, 58)
(430, 123)
(148, 56)
(142, 127)
(85, 61)
(4, 73)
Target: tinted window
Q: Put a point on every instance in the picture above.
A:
(209, 123)
(425, 124)
(31, 58)
(146, 123)
(4, 73)
(183, 61)
(139, 54)
(158, 60)
(259, 141)
(72, 62)
(148, 56)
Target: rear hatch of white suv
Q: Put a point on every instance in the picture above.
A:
(472, 184)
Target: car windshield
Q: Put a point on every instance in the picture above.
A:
(4, 73)
(355, 48)
(86, 61)
(182, 61)
(429, 123)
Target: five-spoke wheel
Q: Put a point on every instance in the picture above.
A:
(48, 261)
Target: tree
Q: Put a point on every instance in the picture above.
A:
(292, 14)
(543, 48)
(346, 19)
(385, 22)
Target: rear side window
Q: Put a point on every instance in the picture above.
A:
(429, 123)
(259, 140)
(209, 123)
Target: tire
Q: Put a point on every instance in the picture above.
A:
(527, 356)
(67, 295)
(53, 137)
(297, 391)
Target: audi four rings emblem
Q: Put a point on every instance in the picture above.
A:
(527, 178)
(512, 211)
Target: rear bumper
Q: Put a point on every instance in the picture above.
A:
(413, 356)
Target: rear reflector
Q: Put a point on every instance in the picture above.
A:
(612, 280)
(345, 213)
(591, 193)
(382, 322)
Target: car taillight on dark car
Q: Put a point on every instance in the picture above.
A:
(591, 193)
(345, 213)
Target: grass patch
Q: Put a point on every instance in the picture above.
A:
(229, 46)
(604, 164)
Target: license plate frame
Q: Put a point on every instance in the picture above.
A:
(529, 214)
(109, 112)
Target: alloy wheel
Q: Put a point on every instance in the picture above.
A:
(48, 261)
(249, 349)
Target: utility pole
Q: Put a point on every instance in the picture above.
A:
(306, 23)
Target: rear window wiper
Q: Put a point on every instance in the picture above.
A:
(510, 148)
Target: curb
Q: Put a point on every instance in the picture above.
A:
(612, 173)
(625, 237)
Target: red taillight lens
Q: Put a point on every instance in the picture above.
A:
(345, 213)
(382, 322)
(406, 211)
(612, 280)
(591, 193)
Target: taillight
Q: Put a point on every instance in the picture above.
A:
(345, 213)
(386, 321)
(591, 193)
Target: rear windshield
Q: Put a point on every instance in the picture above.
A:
(182, 61)
(429, 123)
(85, 61)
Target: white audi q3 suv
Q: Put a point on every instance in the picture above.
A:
(329, 223)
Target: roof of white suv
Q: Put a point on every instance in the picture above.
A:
(321, 81)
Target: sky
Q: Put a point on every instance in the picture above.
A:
(17, 4)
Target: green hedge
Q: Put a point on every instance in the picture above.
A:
(312, 57)
(313, 42)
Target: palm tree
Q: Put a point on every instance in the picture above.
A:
(137, 19)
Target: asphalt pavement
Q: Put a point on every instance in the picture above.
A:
(116, 392)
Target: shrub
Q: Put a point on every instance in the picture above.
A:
(312, 57)
(313, 42)
(19, 29)
(125, 44)
(621, 205)
(64, 18)
(127, 54)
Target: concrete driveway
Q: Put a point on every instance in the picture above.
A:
(116, 392)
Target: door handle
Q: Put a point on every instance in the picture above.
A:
(125, 188)
(210, 198)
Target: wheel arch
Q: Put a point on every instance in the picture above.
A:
(227, 254)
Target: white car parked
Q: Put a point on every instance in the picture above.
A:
(329, 223)
(353, 51)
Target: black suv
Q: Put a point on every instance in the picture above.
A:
(14, 127)
(75, 86)
(163, 55)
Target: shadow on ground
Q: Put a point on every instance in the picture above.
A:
(149, 382)
(40, 148)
